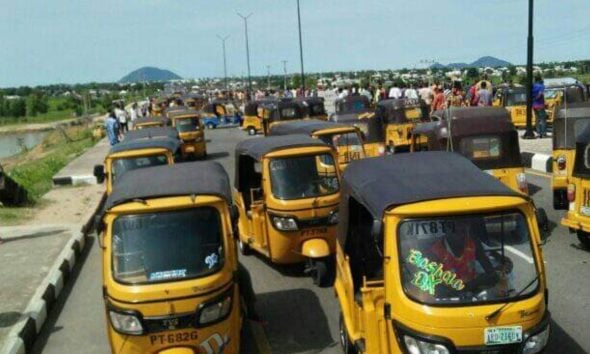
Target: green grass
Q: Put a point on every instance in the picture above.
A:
(36, 176)
(53, 114)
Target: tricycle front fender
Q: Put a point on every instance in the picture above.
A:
(315, 248)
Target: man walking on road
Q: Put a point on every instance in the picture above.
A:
(484, 95)
(111, 125)
(539, 107)
(395, 92)
(122, 118)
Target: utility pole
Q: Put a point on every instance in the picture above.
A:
(268, 77)
(529, 134)
(284, 75)
(223, 39)
(301, 49)
(245, 18)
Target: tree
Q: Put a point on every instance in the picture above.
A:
(472, 73)
(17, 108)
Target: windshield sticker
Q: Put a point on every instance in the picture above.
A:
(168, 274)
(212, 260)
(432, 274)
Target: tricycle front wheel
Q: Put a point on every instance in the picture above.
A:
(584, 238)
(319, 269)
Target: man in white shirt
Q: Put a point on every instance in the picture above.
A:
(132, 115)
(426, 95)
(411, 93)
(122, 118)
(395, 92)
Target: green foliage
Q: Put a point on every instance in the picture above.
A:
(36, 176)
(472, 73)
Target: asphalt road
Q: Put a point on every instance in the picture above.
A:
(302, 318)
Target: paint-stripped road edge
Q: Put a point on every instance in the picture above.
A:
(260, 337)
(24, 332)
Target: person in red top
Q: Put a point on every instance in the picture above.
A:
(438, 103)
(459, 252)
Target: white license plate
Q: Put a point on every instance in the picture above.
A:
(585, 210)
(503, 335)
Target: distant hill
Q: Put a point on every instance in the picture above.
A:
(149, 73)
(482, 62)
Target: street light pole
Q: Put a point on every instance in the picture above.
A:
(268, 77)
(245, 18)
(301, 48)
(529, 134)
(284, 75)
(224, 59)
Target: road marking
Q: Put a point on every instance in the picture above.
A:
(536, 173)
(260, 337)
(520, 254)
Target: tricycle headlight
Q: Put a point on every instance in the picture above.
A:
(417, 346)
(284, 223)
(215, 310)
(333, 218)
(126, 323)
(535, 343)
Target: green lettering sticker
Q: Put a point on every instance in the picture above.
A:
(431, 274)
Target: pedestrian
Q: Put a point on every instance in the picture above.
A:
(438, 103)
(121, 116)
(426, 95)
(395, 92)
(472, 97)
(484, 96)
(539, 107)
(111, 125)
(411, 93)
(456, 96)
(132, 115)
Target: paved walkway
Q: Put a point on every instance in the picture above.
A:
(537, 146)
(32, 254)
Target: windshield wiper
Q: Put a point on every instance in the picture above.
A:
(497, 312)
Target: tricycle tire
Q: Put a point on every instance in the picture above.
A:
(251, 131)
(584, 238)
(320, 272)
(210, 126)
(347, 346)
(244, 248)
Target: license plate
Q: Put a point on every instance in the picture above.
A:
(585, 210)
(314, 232)
(190, 149)
(173, 338)
(503, 335)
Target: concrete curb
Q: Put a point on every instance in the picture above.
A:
(539, 162)
(74, 180)
(23, 334)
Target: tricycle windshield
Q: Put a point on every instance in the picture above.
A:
(516, 99)
(552, 93)
(187, 124)
(467, 259)
(481, 147)
(352, 106)
(167, 246)
(120, 166)
(303, 176)
(351, 141)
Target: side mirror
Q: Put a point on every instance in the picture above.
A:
(543, 222)
(234, 213)
(256, 194)
(376, 229)
(99, 173)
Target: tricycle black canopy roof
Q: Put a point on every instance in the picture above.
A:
(171, 144)
(189, 178)
(148, 120)
(383, 182)
(306, 127)
(183, 113)
(258, 147)
(152, 132)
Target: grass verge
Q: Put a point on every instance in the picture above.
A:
(35, 169)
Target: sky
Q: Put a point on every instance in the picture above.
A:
(78, 41)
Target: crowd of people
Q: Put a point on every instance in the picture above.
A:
(438, 96)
